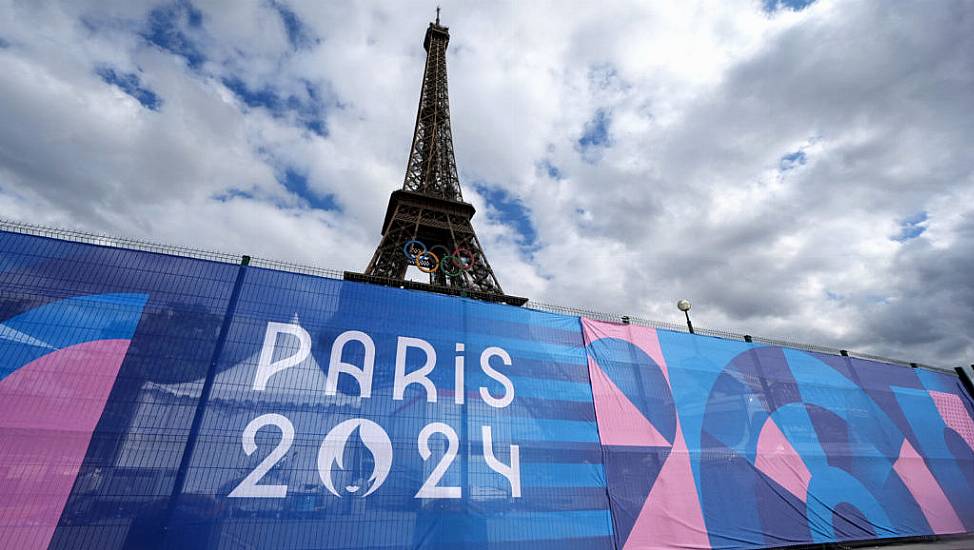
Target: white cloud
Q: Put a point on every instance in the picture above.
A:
(689, 198)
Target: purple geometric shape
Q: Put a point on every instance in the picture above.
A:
(631, 472)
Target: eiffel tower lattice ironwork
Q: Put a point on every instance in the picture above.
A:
(427, 224)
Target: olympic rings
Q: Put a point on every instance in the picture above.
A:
(450, 264)
(467, 265)
(443, 264)
(430, 267)
(446, 251)
(410, 253)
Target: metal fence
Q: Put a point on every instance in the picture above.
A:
(145, 246)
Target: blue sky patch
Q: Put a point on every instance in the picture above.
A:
(166, 29)
(298, 34)
(596, 131)
(510, 211)
(250, 97)
(771, 6)
(912, 227)
(231, 194)
(308, 111)
(595, 138)
(550, 169)
(131, 84)
(297, 183)
(792, 161)
(4, 43)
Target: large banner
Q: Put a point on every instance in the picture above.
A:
(712, 443)
(154, 401)
(259, 409)
(86, 333)
(352, 416)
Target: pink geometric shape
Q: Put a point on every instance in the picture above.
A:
(777, 459)
(955, 415)
(671, 516)
(619, 421)
(926, 491)
(642, 337)
(48, 411)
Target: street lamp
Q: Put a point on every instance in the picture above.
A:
(684, 306)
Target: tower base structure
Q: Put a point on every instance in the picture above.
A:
(434, 235)
(439, 289)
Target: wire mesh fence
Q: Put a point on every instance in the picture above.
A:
(296, 268)
(222, 257)
(115, 242)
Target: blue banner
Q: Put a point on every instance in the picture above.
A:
(155, 401)
(405, 419)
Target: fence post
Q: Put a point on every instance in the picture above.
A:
(180, 482)
(966, 379)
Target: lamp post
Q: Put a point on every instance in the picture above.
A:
(684, 306)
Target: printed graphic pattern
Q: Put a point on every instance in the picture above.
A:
(741, 446)
(550, 418)
(57, 366)
(154, 401)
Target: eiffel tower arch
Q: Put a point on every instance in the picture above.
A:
(427, 224)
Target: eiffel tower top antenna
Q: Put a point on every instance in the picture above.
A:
(427, 226)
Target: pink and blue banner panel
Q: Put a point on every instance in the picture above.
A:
(713, 443)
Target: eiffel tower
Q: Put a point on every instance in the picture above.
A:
(427, 224)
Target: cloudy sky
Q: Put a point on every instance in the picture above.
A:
(798, 170)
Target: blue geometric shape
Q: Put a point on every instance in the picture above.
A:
(65, 323)
(641, 380)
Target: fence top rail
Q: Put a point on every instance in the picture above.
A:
(13, 226)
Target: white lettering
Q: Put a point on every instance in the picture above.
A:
(512, 472)
(418, 376)
(336, 366)
(508, 396)
(266, 366)
(430, 489)
(458, 387)
(249, 487)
